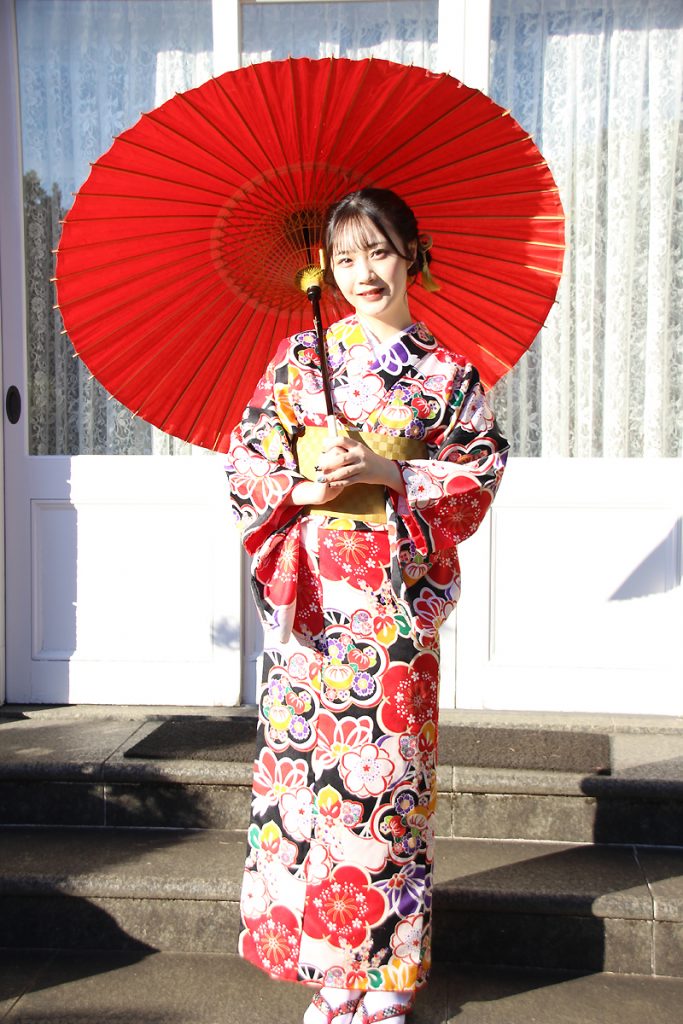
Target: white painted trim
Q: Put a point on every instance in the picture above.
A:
(227, 48)
(464, 35)
(12, 285)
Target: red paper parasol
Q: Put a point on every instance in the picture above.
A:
(177, 266)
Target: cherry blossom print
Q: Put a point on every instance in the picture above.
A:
(411, 694)
(422, 488)
(297, 813)
(254, 900)
(272, 943)
(339, 868)
(444, 570)
(367, 771)
(457, 518)
(343, 908)
(359, 397)
(359, 359)
(309, 620)
(360, 558)
(406, 942)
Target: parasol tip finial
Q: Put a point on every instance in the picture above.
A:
(309, 276)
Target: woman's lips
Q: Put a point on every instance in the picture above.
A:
(372, 293)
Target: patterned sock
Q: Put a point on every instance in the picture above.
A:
(375, 1002)
(335, 997)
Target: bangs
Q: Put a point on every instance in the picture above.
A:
(358, 231)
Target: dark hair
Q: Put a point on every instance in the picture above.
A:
(390, 214)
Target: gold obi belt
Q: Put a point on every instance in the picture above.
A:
(366, 502)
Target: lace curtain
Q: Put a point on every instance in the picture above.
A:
(400, 30)
(598, 85)
(87, 69)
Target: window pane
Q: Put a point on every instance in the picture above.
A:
(400, 30)
(87, 68)
(599, 86)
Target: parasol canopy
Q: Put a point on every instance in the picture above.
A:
(177, 269)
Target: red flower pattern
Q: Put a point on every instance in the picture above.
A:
(344, 907)
(272, 943)
(411, 694)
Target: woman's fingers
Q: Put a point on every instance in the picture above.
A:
(338, 453)
(352, 463)
(311, 492)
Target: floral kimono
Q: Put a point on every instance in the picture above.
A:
(338, 880)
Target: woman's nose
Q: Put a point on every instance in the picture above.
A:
(364, 268)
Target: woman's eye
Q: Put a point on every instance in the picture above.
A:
(378, 253)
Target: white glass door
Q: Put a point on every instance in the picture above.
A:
(121, 560)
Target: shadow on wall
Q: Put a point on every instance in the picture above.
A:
(659, 573)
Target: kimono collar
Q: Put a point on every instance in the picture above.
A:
(350, 331)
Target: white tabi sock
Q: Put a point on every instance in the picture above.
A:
(334, 997)
(376, 1001)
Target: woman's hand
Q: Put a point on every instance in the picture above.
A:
(347, 461)
(311, 492)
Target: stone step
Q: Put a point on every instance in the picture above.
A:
(195, 988)
(473, 803)
(517, 904)
(72, 767)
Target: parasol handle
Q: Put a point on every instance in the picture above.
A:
(313, 293)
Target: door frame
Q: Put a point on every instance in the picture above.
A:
(12, 284)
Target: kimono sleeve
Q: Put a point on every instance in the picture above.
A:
(447, 495)
(261, 465)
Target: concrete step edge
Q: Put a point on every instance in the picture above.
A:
(526, 877)
(451, 778)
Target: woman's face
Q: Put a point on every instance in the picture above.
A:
(371, 275)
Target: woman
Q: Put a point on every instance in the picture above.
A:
(355, 568)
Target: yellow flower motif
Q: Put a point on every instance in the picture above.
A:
(271, 835)
(328, 797)
(399, 976)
